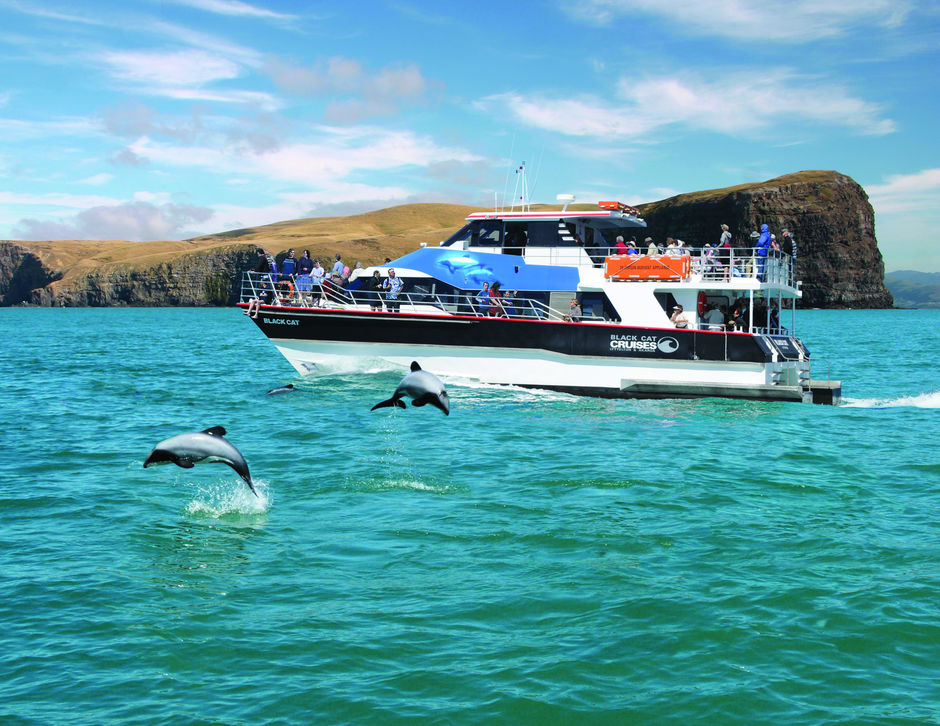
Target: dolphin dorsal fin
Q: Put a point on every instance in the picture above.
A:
(415, 366)
(215, 431)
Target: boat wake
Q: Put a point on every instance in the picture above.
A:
(921, 400)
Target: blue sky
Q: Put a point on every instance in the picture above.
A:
(164, 120)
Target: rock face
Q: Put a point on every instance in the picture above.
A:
(827, 213)
(21, 272)
(190, 280)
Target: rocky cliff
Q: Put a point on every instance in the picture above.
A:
(827, 213)
(200, 278)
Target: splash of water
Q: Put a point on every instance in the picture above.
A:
(921, 400)
(227, 498)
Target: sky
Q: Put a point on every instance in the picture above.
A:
(146, 120)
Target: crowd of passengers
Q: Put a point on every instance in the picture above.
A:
(721, 318)
(723, 260)
(305, 280)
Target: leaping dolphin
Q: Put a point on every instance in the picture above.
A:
(186, 450)
(289, 388)
(422, 387)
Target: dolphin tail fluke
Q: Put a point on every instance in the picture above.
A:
(390, 402)
(251, 486)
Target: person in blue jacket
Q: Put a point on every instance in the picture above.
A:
(762, 245)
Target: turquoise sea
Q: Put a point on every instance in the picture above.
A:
(534, 558)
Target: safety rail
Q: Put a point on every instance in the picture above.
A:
(298, 292)
(718, 264)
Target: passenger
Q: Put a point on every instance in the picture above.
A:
(763, 245)
(338, 266)
(483, 299)
(788, 247)
(738, 316)
(652, 249)
(677, 318)
(393, 285)
(681, 249)
(317, 272)
(671, 246)
(724, 252)
(305, 264)
(263, 264)
(344, 276)
(631, 248)
(509, 304)
(316, 277)
(289, 265)
(715, 318)
(272, 264)
(709, 261)
(621, 248)
(574, 311)
(374, 287)
(496, 306)
(261, 285)
(773, 320)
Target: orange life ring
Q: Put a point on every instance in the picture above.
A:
(702, 302)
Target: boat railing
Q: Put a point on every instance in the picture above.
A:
(710, 263)
(300, 292)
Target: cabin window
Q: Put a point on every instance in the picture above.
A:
(487, 233)
(460, 237)
(545, 234)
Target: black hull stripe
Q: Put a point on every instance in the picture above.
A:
(571, 339)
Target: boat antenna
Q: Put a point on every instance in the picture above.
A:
(521, 190)
(512, 148)
(538, 169)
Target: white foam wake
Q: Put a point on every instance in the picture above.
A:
(921, 400)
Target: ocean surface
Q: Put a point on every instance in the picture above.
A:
(534, 558)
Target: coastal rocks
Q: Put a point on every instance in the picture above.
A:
(197, 279)
(21, 272)
(828, 214)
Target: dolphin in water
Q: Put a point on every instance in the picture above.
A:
(422, 387)
(283, 389)
(186, 450)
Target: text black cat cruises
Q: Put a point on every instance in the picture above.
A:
(575, 309)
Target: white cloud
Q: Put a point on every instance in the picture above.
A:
(736, 103)
(907, 217)
(234, 7)
(756, 21)
(97, 179)
(358, 93)
(57, 199)
(177, 68)
(902, 193)
(326, 162)
(135, 221)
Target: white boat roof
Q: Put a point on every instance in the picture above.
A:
(542, 216)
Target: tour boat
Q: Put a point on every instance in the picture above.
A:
(621, 337)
